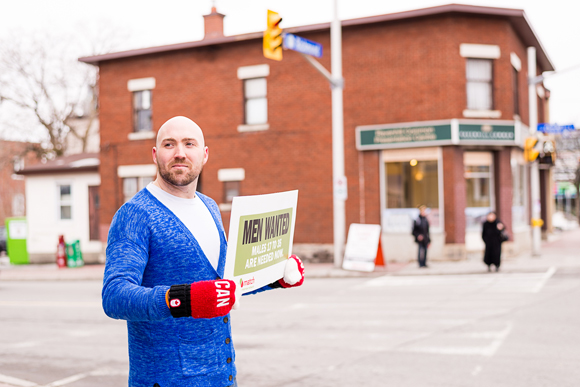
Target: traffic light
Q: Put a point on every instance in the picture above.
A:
(530, 153)
(548, 153)
(273, 37)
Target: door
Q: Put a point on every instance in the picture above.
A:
(94, 213)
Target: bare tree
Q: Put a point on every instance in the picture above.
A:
(568, 162)
(45, 88)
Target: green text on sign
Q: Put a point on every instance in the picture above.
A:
(263, 240)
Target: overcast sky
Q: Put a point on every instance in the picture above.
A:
(152, 23)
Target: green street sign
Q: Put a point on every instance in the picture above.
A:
(399, 136)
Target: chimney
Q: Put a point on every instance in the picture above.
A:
(214, 24)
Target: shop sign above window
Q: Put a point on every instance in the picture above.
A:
(438, 133)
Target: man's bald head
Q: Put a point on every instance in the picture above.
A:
(180, 154)
(182, 125)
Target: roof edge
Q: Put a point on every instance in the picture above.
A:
(511, 13)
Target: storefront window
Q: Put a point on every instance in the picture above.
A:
(479, 190)
(410, 184)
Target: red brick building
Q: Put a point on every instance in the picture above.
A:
(14, 155)
(435, 112)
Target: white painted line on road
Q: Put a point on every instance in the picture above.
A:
(50, 304)
(24, 344)
(16, 382)
(492, 349)
(488, 350)
(489, 283)
(109, 372)
(77, 377)
(544, 279)
(69, 380)
(477, 370)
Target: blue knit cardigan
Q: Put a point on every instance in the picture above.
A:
(149, 249)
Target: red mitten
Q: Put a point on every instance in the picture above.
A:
(293, 273)
(205, 299)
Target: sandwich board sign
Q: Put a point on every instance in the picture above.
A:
(363, 247)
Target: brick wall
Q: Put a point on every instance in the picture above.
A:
(455, 198)
(12, 185)
(399, 71)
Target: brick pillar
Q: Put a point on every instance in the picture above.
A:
(503, 187)
(455, 194)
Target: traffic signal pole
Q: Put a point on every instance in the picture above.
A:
(340, 187)
(339, 183)
(534, 168)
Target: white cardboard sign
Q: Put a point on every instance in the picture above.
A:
(260, 239)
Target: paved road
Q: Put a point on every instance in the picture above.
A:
(512, 329)
(515, 328)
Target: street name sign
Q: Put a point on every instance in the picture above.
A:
(305, 46)
(554, 128)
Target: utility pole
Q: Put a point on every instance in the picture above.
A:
(340, 187)
(534, 168)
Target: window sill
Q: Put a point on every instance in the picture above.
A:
(225, 207)
(141, 135)
(253, 128)
(481, 113)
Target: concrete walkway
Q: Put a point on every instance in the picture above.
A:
(561, 251)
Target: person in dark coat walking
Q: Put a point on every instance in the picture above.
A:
(492, 237)
(421, 234)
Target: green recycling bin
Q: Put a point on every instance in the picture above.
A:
(74, 257)
(16, 234)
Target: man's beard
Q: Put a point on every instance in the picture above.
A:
(179, 178)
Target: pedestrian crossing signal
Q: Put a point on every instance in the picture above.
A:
(273, 37)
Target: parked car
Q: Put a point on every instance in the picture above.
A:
(2, 239)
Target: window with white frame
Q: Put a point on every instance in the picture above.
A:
(232, 180)
(255, 101)
(231, 190)
(132, 185)
(479, 75)
(142, 111)
(411, 179)
(142, 89)
(64, 193)
(255, 92)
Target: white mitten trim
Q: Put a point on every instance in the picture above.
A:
(291, 273)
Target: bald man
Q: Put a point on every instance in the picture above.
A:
(164, 273)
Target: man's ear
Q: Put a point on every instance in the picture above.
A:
(206, 155)
(154, 154)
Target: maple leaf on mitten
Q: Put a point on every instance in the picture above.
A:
(204, 299)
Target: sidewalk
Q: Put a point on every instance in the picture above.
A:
(561, 251)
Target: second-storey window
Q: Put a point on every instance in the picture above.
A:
(516, 87)
(255, 101)
(142, 111)
(479, 73)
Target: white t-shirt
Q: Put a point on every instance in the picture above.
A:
(194, 214)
